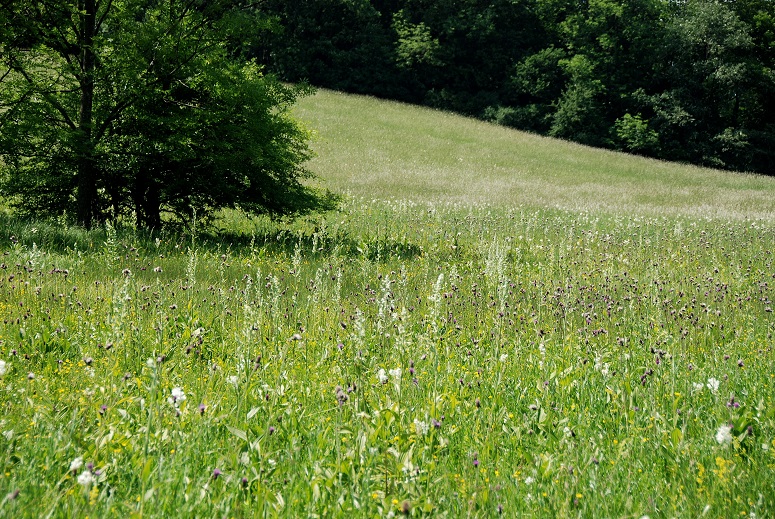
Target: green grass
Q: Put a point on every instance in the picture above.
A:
(586, 360)
(370, 147)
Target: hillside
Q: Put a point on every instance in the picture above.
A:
(374, 148)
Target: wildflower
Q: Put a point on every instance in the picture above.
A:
(176, 396)
(86, 478)
(216, 473)
(202, 408)
(76, 464)
(382, 376)
(713, 384)
(740, 363)
(296, 337)
(724, 435)
(503, 359)
(395, 373)
(233, 380)
(341, 395)
(31, 376)
(698, 386)
(420, 427)
(732, 402)
(529, 480)
(3, 368)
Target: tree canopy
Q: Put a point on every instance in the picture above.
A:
(145, 108)
(691, 81)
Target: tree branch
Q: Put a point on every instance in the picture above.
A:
(46, 95)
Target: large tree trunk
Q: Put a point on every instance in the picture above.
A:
(87, 174)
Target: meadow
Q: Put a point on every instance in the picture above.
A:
(456, 341)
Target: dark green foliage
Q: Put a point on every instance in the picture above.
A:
(143, 110)
(690, 81)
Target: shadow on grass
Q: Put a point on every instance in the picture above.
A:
(279, 238)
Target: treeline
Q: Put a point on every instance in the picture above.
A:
(690, 81)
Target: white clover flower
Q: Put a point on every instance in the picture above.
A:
(382, 376)
(420, 427)
(177, 396)
(713, 384)
(76, 464)
(724, 435)
(395, 373)
(3, 368)
(86, 478)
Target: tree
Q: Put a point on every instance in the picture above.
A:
(139, 107)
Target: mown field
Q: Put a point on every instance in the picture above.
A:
(430, 350)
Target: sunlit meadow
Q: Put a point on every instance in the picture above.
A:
(430, 358)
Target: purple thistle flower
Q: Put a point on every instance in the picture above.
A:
(216, 473)
(271, 430)
(202, 408)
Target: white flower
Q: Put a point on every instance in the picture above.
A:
(529, 480)
(713, 384)
(233, 380)
(504, 357)
(698, 386)
(177, 396)
(604, 369)
(197, 332)
(382, 376)
(76, 464)
(420, 427)
(3, 368)
(86, 478)
(395, 373)
(150, 363)
(724, 435)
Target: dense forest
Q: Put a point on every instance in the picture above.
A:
(690, 81)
